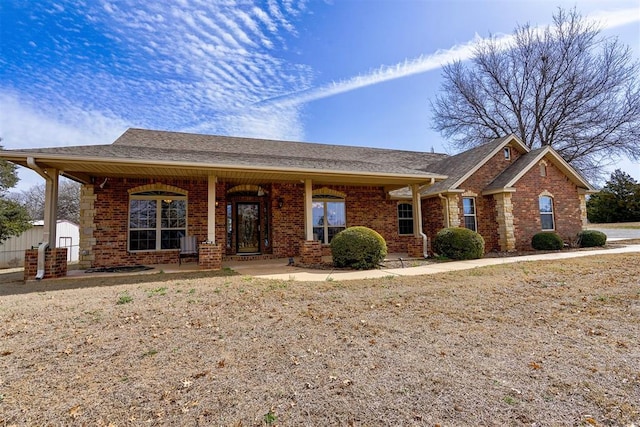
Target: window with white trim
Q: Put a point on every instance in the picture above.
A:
(328, 217)
(405, 219)
(507, 153)
(546, 212)
(157, 220)
(469, 213)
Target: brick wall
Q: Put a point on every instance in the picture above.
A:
(107, 240)
(111, 205)
(55, 263)
(566, 205)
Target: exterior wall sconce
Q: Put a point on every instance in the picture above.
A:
(280, 203)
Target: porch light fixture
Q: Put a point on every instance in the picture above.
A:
(280, 203)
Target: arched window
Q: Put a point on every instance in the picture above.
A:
(546, 212)
(329, 216)
(157, 218)
(405, 219)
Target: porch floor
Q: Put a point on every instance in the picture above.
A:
(261, 267)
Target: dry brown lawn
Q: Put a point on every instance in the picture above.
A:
(538, 343)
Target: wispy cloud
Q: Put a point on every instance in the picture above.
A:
(191, 65)
(605, 20)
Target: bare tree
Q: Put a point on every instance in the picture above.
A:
(565, 85)
(68, 200)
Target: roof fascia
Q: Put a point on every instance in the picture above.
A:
(21, 157)
(557, 160)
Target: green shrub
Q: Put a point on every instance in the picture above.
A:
(591, 238)
(547, 241)
(358, 247)
(458, 243)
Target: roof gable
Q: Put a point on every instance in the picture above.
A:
(510, 176)
(461, 166)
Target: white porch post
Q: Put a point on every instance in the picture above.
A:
(51, 207)
(211, 209)
(417, 210)
(308, 209)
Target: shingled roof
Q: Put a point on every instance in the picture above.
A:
(136, 146)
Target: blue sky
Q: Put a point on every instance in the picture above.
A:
(76, 72)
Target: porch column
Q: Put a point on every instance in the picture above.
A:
(209, 253)
(504, 218)
(308, 210)
(51, 207)
(211, 209)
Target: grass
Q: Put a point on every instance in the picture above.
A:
(536, 343)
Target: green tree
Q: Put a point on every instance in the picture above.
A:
(14, 218)
(618, 201)
(566, 86)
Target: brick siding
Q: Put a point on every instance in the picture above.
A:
(526, 213)
(106, 243)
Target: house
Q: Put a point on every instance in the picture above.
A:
(13, 249)
(252, 198)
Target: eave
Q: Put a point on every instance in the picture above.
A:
(82, 168)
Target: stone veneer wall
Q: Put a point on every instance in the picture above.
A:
(504, 217)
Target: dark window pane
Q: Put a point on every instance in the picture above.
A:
(470, 222)
(142, 213)
(405, 226)
(405, 210)
(170, 239)
(547, 221)
(142, 240)
(333, 231)
(174, 214)
(318, 234)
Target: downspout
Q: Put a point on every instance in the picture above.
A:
(42, 247)
(418, 204)
(446, 209)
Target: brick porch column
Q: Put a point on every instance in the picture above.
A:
(210, 256)
(55, 263)
(311, 252)
(414, 248)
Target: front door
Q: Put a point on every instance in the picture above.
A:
(248, 227)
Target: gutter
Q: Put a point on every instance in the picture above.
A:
(446, 211)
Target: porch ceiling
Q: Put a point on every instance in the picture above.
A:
(83, 169)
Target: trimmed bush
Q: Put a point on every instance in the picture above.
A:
(591, 238)
(458, 243)
(358, 247)
(547, 241)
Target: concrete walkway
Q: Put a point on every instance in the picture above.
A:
(268, 269)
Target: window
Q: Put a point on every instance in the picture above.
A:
(328, 217)
(405, 218)
(507, 153)
(469, 212)
(546, 212)
(157, 220)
